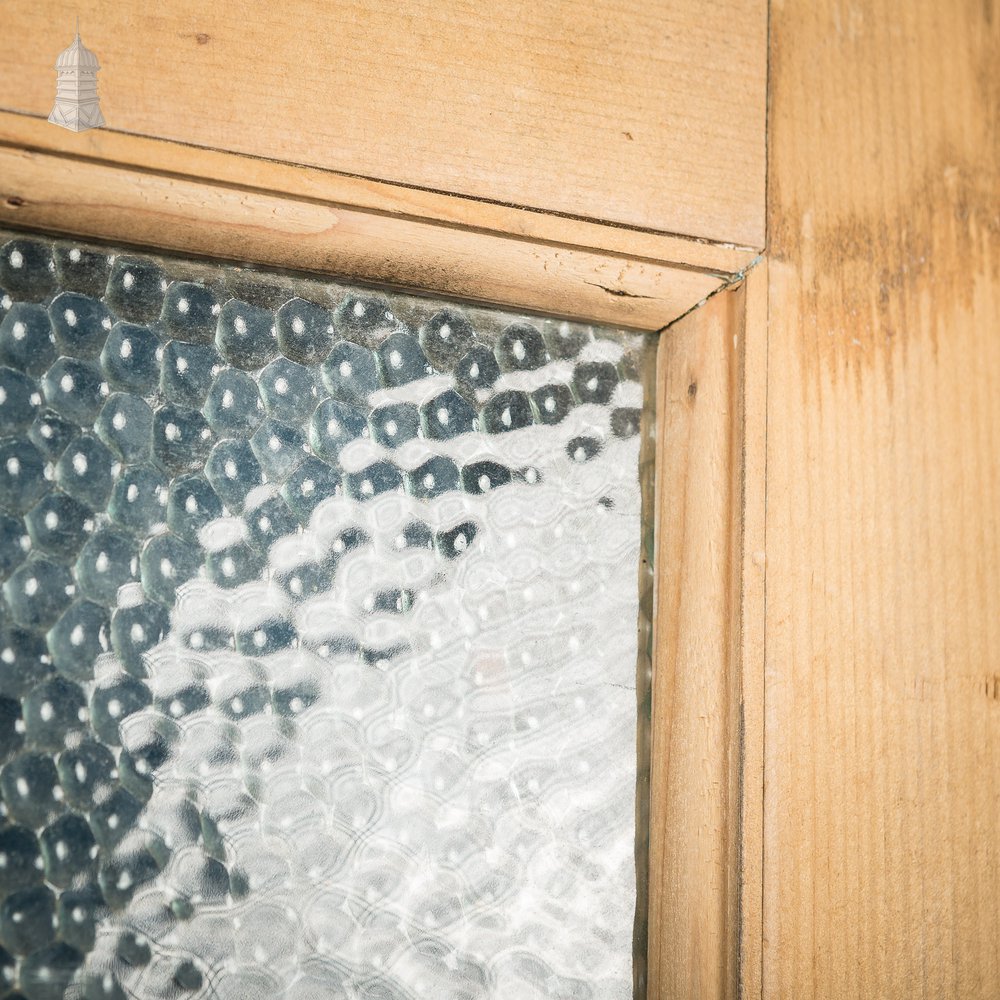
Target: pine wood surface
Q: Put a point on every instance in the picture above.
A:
(162, 211)
(637, 114)
(881, 861)
(705, 819)
(254, 173)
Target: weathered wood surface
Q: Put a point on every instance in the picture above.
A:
(881, 872)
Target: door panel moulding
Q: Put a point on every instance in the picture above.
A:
(167, 196)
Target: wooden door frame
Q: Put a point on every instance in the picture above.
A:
(834, 397)
(707, 300)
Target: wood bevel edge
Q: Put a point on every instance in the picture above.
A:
(741, 666)
(163, 212)
(690, 912)
(141, 152)
(748, 320)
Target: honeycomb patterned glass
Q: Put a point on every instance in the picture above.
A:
(322, 663)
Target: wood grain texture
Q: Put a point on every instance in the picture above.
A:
(364, 195)
(708, 665)
(649, 116)
(882, 770)
(159, 210)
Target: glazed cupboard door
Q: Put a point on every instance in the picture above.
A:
(340, 600)
(499, 502)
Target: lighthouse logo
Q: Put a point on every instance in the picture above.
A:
(77, 107)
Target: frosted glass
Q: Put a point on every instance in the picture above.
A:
(320, 639)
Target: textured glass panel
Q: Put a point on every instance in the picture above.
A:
(320, 639)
